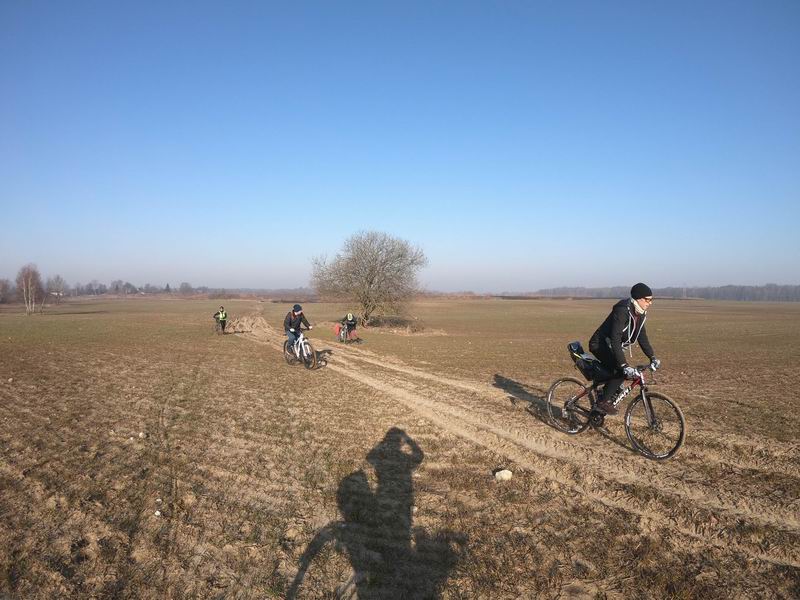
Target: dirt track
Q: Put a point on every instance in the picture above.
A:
(721, 493)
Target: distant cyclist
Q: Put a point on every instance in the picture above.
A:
(349, 323)
(291, 324)
(222, 317)
(621, 330)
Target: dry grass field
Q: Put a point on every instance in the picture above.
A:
(141, 456)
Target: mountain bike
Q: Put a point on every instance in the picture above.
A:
(344, 333)
(300, 351)
(654, 423)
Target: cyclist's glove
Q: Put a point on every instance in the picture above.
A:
(291, 329)
(630, 372)
(655, 363)
(311, 327)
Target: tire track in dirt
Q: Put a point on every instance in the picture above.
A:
(616, 483)
(766, 455)
(676, 475)
(615, 493)
(675, 479)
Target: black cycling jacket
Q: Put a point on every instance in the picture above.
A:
(293, 321)
(621, 329)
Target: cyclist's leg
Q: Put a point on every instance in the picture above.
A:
(222, 324)
(613, 385)
(292, 337)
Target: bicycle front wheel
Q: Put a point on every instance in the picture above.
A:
(287, 352)
(567, 408)
(309, 356)
(656, 432)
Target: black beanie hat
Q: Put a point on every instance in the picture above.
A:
(640, 290)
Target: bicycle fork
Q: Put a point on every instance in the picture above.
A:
(652, 420)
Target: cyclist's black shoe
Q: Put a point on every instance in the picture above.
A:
(606, 407)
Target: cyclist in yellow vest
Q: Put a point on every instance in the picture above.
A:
(222, 317)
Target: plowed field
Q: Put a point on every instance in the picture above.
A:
(142, 456)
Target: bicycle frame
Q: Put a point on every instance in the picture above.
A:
(299, 344)
(592, 392)
(344, 333)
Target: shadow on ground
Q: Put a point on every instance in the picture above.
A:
(536, 398)
(390, 559)
(615, 433)
(322, 357)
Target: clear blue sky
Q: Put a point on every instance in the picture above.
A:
(521, 145)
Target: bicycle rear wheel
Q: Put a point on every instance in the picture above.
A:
(660, 434)
(568, 412)
(309, 356)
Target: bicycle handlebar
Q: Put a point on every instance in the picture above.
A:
(643, 368)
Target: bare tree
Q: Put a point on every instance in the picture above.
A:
(374, 269)
(185, 289)
(5, 291)
(29, 285)
(56, 287)
(95, 288)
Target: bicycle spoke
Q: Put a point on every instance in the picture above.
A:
(567, 409)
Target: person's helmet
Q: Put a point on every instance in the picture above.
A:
(349, 316)
(297, 308)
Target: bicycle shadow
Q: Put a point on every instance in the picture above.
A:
(535, 397)
(619, 440)
(322, 357)
(390, 559)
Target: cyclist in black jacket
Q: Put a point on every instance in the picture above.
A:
(291, 324)
(350, 323)
(621, 329)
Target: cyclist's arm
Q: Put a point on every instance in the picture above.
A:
(287, 323)
(618, 323)
(644, 343)
(304, 321)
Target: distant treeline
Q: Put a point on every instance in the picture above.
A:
(770, 292)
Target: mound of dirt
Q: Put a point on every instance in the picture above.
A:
(248, 324)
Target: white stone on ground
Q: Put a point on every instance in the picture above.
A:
(503, 475)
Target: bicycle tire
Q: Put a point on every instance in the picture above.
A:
(661, 440)
(287, 353)
(309, 356)
(573, 422)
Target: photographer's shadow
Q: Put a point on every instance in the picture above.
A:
(390, 559)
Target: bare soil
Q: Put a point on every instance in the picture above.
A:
(142, 456)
